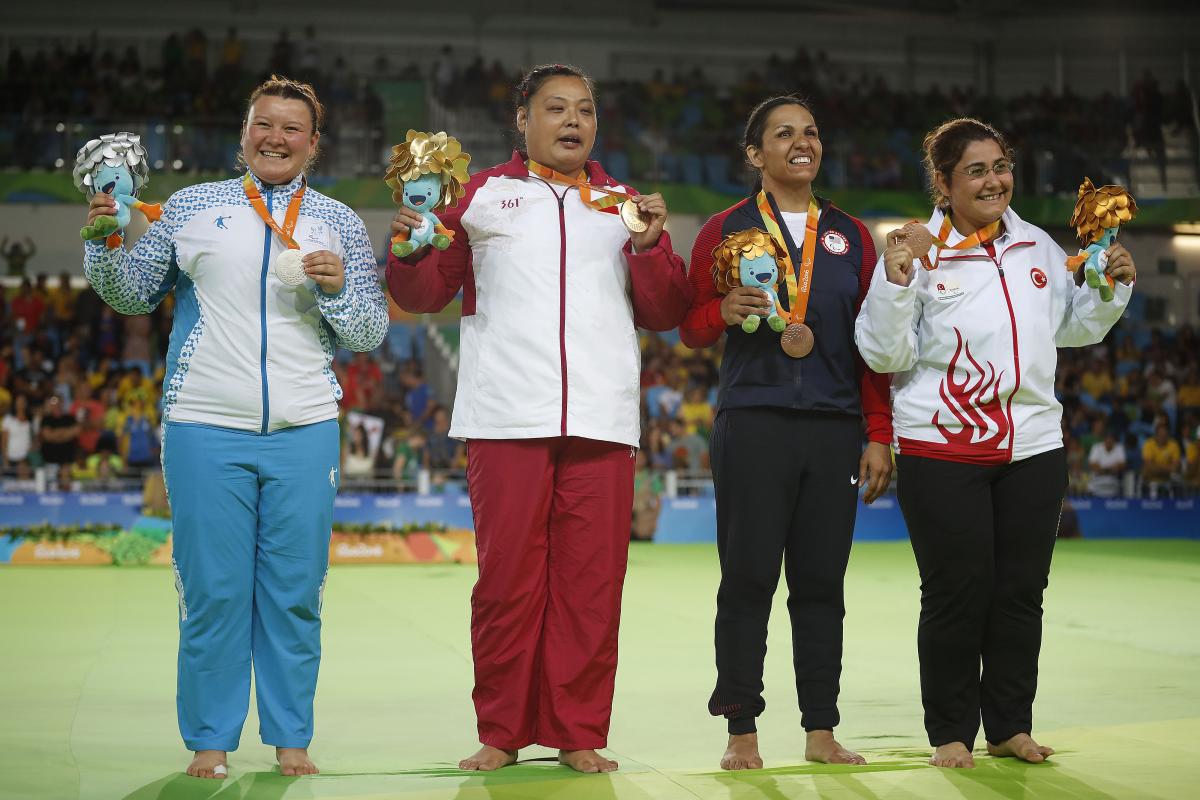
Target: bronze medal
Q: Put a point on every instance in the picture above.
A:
(797, 340)
(632, 217)
(917, 238)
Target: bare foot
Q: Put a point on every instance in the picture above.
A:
(586, 761)
(489, 758)
(954, 755)
(209, 764)
(742, 752)
(822, 747)
(294, 761)
(1021, 746)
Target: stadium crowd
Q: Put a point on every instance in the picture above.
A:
(683, 127)
(80, 396)
(80, 386)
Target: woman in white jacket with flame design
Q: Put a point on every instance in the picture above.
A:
(971, 336)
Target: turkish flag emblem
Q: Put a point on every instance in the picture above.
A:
(1038, 277)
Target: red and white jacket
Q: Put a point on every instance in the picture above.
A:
(972, 344)
(552, 298)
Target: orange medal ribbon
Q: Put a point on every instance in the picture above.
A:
(984, 234)
(799, 282)
(585, 189)
(289, 219)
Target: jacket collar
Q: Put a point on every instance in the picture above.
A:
(280, 189)
(516, 168)
(1014, 229)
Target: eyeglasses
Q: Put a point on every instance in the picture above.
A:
(977, 171)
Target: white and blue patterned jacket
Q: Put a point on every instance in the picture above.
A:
(247, 351)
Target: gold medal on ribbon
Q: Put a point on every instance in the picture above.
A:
(629, 213)
(632, 217)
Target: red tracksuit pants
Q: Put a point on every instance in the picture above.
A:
(552, 522)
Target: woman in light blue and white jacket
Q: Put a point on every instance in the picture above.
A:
(269, 278)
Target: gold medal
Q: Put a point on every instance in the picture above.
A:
(632, 217)
(797, 340)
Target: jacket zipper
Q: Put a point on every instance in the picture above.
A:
(562, 296)
(562, 302)
(1012, 319)
(262, 288)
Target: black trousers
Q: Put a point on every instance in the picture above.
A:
(983, 537)
(785, 493)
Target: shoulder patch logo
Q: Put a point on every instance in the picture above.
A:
(1038, 277)
(835, 243)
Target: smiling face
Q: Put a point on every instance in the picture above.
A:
(790, 153)
(977, 202)
(559, 124)
(761, 271)
(423, 193)
(278, 138)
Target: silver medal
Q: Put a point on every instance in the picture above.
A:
(289, 267)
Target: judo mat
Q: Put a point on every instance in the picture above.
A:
(87, 688)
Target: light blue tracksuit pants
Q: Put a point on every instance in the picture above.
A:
(251, 515)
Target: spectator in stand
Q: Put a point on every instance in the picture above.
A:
(357, 461)
(361, 375)
(135, 353)
(417, 394)
(411, 454)
(1188, 396)
(1191, 467)
(1161, 458)
(106, 465)
(1097, 380)
(445, 452)
(17, 255)
(139, 438)
(647, 499)
(689, 450)
(59, 434)
(61, 301)
(696, 412)
(1107, 464)
(27, 308)
(16, 440)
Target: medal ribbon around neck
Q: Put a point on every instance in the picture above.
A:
(981, 236)
(799, 282)
(289, 219)
(611, 198)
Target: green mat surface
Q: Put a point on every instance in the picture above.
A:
(87, 670)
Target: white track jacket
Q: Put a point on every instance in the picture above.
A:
(552, 299)
(247, 351)
(971, 345)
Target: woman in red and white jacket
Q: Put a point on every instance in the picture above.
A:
(982, 473)
(554, 288)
